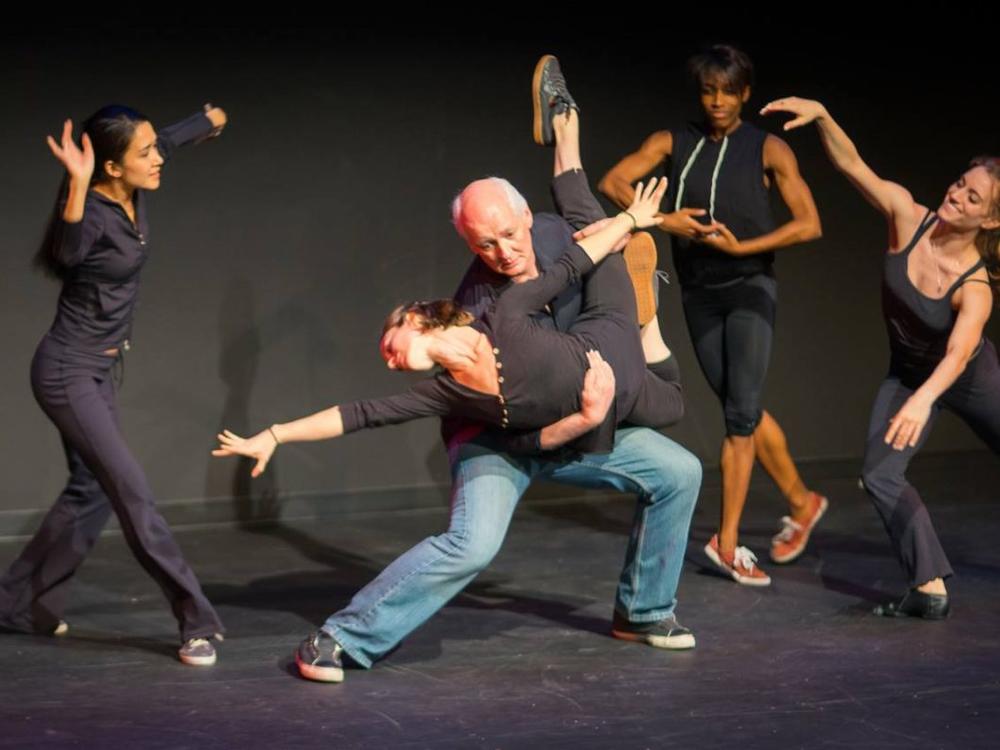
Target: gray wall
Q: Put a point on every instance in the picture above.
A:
(279, 248)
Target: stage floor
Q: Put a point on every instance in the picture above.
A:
(523, 658)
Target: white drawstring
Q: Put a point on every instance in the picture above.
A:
(715, 175)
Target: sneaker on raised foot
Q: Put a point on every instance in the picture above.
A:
(640, 261)
(549, 96)
(665, 633)
(789, 543)
(319, 657)
(741, 567)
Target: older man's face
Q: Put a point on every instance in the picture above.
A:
(500, 236)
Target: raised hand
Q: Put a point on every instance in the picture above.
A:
(645, 208)
(260, 447)
(79, 162)
(218, 118)
(805, 110)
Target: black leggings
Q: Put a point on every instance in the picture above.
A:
(76, 391)
(645, 395)
(731, 327)
(975, 397)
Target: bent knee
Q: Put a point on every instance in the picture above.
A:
(742, 422)
(468, 553)
(881, 485)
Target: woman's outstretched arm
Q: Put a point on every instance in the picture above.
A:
(892, 200)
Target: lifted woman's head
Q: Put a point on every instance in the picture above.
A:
(404, 343)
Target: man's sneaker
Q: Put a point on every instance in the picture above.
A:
(640, 260)
(742, 567)
(549, 96)
(665, 633)
(62, 628)
(791, 541)
(198, 652)
(319, 658)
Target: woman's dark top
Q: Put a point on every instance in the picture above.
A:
(103, 255)
(726, 178)
(540, 370)
(919, 326)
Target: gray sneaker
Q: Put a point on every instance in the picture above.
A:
(319, 658)
(665, 633)
(549, 96)
(198, 652)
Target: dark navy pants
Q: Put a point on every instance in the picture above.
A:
(975, 397)
(76, 390)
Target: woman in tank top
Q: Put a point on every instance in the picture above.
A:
(936, 298)
(723, 237)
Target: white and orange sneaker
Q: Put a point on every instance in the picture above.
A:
(789, 543)
(741, 566)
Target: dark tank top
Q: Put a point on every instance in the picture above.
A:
(919, 326)
(726, 178)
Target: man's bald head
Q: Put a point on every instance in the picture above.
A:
(494, 220)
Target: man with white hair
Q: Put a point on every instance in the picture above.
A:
(513, 245)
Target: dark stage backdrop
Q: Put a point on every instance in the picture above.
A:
(279, 247)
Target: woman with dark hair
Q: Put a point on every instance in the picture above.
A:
(724, 237)
(508, 371)
(96, 243)
(940, 272)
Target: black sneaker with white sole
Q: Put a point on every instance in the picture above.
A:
(319, 657)
(665, 633)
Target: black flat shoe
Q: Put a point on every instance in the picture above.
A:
(916, 604)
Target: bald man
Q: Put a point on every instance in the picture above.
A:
(513, 245)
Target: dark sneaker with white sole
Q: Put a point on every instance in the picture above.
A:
(549, 97)
(198, 652)
(319, 657)
(665, 633)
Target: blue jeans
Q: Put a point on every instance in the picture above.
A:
(485, 491)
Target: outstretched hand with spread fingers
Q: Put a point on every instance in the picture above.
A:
(79, 162)
(260, 447)
(645, 208)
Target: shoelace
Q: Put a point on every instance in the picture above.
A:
(744, 558)
(788, 529)
(197, 642)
